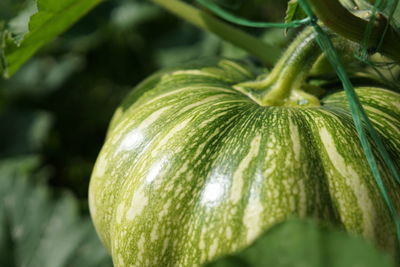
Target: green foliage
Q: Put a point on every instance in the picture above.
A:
(50, 19)
(38, 228)
(302, 243)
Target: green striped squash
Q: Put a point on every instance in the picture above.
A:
(193, 169)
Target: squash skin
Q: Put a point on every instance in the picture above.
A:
(192, 169)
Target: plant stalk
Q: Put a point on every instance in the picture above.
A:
(283, 85)
(267, 53)
(341, 21)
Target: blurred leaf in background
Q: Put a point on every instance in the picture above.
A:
(304, 243)
(40, 229)
(23, 132)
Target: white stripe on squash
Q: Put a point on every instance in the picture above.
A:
(353, 180)
(238, 175)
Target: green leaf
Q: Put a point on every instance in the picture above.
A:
(40, 229)
(19, 26)
(294, 12)
(52, 18)
(303, 243)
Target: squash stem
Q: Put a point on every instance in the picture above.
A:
(282, 86)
